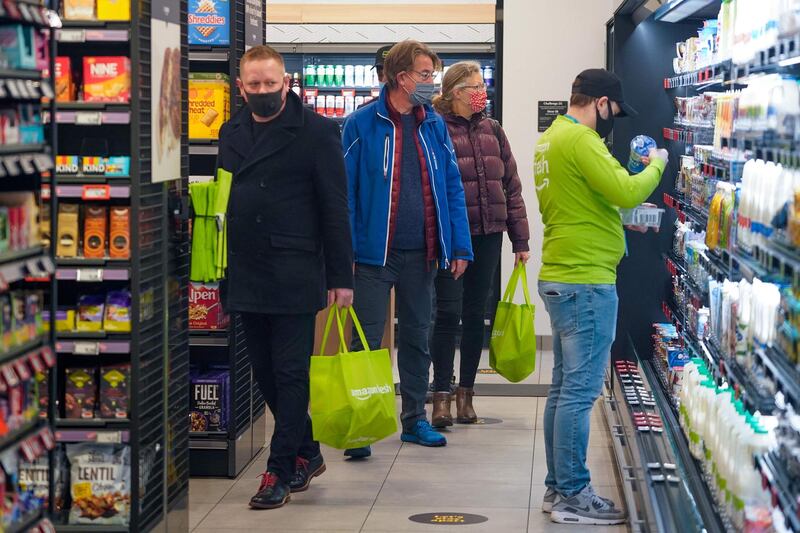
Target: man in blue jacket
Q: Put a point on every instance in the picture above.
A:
(408, 218)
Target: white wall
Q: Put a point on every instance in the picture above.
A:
(546, 44)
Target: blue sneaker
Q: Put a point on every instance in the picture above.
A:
(424, 435)
(358, 453)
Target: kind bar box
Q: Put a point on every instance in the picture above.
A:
(209, 22)
(209, 406)
(205, 307)
(209, 102)
(106, 79)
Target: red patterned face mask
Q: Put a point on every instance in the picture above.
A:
(477, 101)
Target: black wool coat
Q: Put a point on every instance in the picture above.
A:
(288, 223)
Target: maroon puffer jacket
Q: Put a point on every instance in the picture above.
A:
(492, 186)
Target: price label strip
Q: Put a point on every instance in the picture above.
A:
(72, 36)
(88, 118)
(90, 275)
(86, 348)
(109, 437)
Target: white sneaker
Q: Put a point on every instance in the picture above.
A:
(587, 508)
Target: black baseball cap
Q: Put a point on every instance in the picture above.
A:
(380, 55)
(598, 82)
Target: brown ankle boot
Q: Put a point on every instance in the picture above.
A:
(441, 410)
(465, 414)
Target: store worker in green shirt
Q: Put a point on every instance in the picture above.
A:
(581, 188)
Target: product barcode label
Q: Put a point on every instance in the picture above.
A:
(86, 348)
(88, 118)
(109, 437)
(72, 36)
(90, 275)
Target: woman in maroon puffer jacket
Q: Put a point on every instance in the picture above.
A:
(493, 194)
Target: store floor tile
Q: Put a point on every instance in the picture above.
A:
(494, 470)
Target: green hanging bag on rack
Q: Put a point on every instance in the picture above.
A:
(352, 399)
(512, 350)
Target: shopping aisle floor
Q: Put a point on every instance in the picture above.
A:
(495, 470)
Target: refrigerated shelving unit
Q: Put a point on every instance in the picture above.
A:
(641, 46)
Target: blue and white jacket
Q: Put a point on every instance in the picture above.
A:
(369, 143)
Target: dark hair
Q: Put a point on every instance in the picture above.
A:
(581, 100)
(401, 59)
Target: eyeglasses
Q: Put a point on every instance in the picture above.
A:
(426, 75)
(479, 87)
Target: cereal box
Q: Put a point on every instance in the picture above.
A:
(209, 406)
(113, 9)
(79, 9)
(205, 307)
(65, 83)
(209, 22)
(209, 104)
(107, 79)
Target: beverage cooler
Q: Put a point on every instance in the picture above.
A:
(336, 82)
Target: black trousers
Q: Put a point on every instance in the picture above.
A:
(464, 300)
(280, 349)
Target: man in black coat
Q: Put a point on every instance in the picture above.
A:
(288, 242)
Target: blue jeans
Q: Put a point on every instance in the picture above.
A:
(412, 278)
(584, 320)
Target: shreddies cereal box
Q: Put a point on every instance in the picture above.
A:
(209, 22)
(209, 104)
(107, 79)
(205, 307)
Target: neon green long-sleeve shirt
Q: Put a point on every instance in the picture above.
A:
(581, 187)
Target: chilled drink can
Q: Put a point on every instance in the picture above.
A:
(488, 76)
(338, 76)
(374, 78)
(330, 73)
(311, 76)
(349, 76)
(340, 106)
(330, 106)
(358, 76)
(311, 100)
(321, 104)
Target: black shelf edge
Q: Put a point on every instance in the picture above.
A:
(203, 142)
(19, 434)
(208, 341)
(786, 375)
(10, 149)
(92, 106)
(203, 333)
(95, 423)
(21, 350)
(776, 480)
(91, 180)
(209, 435)
(95, 24)
(83, 262)
(92, 335)
(16, 255)
(19, 74)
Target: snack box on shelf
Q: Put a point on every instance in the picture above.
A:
(209, 22)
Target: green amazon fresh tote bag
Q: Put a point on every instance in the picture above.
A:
(512, 350)
(352, 400)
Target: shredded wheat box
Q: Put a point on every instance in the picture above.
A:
(209, 104)
(209, 22)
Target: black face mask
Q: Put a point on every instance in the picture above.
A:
(605, 125)
(265, 104)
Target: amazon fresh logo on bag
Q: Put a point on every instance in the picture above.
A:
(367, 392)
(497, 333)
